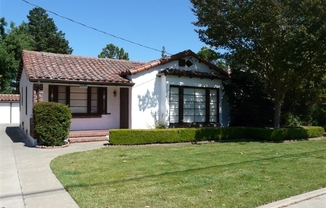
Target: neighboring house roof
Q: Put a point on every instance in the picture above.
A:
(174, 57)
(51, 67)
(9, 97)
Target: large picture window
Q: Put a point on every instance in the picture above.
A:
(82, 101)
(193, 105)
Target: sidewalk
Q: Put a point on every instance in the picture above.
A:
(26, 177)
(313, 199)
(28, 182)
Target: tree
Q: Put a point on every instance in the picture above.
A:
(11, 45)
(247, 99)
(112, 51)
(211, 56)
(284, 42)
(208, 54)
(163, 53)
(45, 33)
(304, 106)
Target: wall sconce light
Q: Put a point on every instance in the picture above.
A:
(115, 93)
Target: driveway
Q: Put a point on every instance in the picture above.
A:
(26, 177)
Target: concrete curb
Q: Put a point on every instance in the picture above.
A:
(296, 199)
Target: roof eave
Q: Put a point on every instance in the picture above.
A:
(81, 82)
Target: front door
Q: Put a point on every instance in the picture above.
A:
(124, 108)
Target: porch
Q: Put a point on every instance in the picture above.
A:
(88, 136)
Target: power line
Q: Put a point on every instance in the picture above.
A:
(93, 28)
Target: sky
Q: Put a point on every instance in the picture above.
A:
(153, 23)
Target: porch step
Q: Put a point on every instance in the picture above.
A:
(88, 136)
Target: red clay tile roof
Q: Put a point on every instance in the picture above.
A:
(174, 57)
(9, 97)
(51, 67)
(43, 66)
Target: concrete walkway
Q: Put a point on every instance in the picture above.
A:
(27, 180)
(26, 177)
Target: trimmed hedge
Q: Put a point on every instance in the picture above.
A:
(293, 133)
(173, 135)
(51, 122)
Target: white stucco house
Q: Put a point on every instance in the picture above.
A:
(179, 90)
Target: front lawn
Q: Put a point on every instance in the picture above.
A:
(243, 174)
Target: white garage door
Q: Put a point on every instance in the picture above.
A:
(9, 112)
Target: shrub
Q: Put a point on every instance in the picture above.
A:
(314, 131)
(51, 122)
(173, 135)
(150, 136)
(281, 134)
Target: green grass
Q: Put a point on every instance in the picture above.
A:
(243, 174)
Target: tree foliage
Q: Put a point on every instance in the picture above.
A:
(212, 56)
(39, 34)
(112, 51)
(45, 33)
(11, 45)
(163, 53)
(208, 54)
(249, 104)
(284, 42)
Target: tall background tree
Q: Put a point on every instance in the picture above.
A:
(212, 56)
(112, 51)
(163, 53)
(284, 42)
(11, 45)
(39, 34)
(45, 33)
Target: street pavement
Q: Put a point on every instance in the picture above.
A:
(28, 182)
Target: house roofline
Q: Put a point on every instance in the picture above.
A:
(174, 57)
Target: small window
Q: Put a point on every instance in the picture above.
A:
(26, 101)
(22, 96)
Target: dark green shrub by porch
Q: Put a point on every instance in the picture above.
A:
(51, 122)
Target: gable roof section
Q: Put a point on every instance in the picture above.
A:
(174, 57)
(51, 67)
(9, 97)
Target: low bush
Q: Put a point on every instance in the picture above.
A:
(51, 122)
(150, 136)
(314, 131)
(293, 133)
(173, 135)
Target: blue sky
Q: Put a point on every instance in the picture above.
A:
(154, 23)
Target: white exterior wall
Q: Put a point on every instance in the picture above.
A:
(150, 94)
(108, 121)
(25, 116)
(9, 112)
(145, 96)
